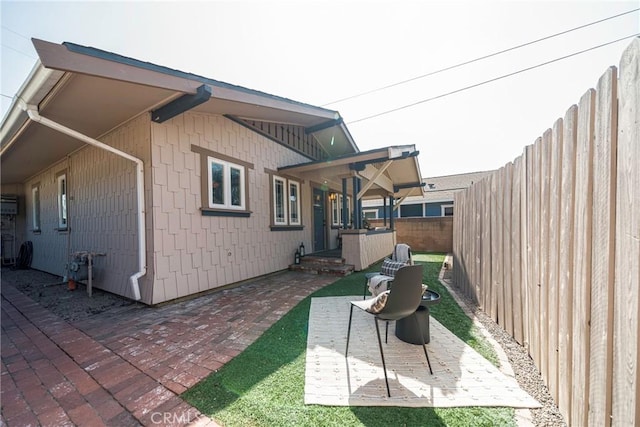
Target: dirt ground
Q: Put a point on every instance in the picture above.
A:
(49, 291)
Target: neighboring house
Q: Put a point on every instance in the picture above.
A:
(184, 183)
(437, 200)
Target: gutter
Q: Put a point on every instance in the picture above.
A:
(39, 83)
(34, 115)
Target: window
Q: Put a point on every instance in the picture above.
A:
(447, 210)
(226, 184)
(370, 213)
(286, 202)
(414, 210)
(294, 203)
(35, 207)
(62, 200)
(336, 210)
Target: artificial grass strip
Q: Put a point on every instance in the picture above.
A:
(264, 385)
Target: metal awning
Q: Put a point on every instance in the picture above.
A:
(391, 171)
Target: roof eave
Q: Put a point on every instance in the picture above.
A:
(32, 92)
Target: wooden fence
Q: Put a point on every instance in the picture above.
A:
(549, 247)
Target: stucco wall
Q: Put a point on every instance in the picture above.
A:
(423, 234)
(195, 253)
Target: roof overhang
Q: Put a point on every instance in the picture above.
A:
(391, 171)
(94, 92)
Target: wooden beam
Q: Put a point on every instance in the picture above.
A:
(322, 126)
(374, 178)
(382, 181)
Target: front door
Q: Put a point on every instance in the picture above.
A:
(319, 221)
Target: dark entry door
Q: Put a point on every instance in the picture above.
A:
(319, 223)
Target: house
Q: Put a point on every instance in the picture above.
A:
(180, 184)
(423, 222)
(436, 201)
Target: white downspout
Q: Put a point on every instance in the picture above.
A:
(32, 111)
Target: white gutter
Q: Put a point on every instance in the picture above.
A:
(32, 111)
(39, 83)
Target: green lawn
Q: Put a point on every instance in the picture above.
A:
(264, 385)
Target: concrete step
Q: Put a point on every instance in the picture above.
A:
(313, 259)
(334, 269)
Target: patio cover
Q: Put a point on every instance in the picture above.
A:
(93, 92)
(390, 171)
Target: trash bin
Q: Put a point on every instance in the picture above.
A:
(407, 328)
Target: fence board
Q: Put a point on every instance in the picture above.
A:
(493, 306)
(527, 228)
(487, 257)
(516, 254)
(545, 167)
(565, 286)
(477, 209)
(602, 271)
(458, 237)
(498, 248)
(507, 172)
(472, 241)
(582, 258)
(535, 252)
(626, 391)
(555, 199)
(467, 250)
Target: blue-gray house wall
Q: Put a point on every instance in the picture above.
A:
(412, 210)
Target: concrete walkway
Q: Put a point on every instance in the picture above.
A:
(128, 366)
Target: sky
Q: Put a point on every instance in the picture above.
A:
(321, 51)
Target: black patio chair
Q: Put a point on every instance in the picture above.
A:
(402, 301)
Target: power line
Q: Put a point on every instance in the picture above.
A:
(16, 50)
(490, 80)
(451, 67)
(16, 33)
(6, 96)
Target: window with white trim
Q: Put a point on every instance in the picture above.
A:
(226, 184)
(370, 213)
(286, 201)
(62, 200)
(336, 210)
(294, 203)
(446, 210)
(35, 207)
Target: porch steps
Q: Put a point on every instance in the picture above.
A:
(323, 265)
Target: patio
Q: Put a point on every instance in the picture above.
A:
(128, 366)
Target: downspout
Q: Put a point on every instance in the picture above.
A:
(32, 111)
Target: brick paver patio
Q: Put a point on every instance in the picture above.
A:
(128, 366)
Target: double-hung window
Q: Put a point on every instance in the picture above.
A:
(337, 212)
(35, 207)
(226, 184)
(62, 200)
(286, 202)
